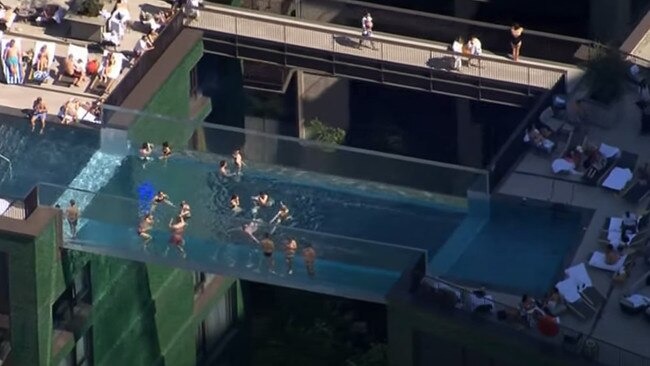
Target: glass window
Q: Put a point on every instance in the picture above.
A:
(78, 291)
(216, 323)
(82, 286)
(83, 349)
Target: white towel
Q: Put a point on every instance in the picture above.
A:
(579, 275)
(638, 300)
(569, 290)
(562, 165)
(615, 224)
(609, 151)
(597, 260)
(618, 178)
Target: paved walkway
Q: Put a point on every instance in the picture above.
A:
(390, 48)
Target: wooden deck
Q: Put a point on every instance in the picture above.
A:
(390, 48)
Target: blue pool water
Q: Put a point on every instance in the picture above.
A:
(55, 157)
(523, 248)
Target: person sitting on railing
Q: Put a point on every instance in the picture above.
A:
(538, 138)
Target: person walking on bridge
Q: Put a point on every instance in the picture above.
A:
(366, 31)
(516, 37)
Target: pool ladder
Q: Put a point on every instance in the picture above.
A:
(11, 173)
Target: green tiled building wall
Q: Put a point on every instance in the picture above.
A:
(173, 100)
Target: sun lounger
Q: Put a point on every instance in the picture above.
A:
(20, 76)
(111, 75)
(615, 238)
(80, 56)
(637, 191)
(86, 116)
(618, 178)
(4, 206)
(7, 17)
(597, 260)
(584, 286)
(569, 291)
(41, 76)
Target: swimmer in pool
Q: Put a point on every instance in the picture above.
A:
(234, 204)
(145, 153)
(281, 217)
(186, 212)
(166, 151)
(290, 249)
(238, 161)
(250, 229)
(146, 224)
(223, 169)
(261, 200)
(267, 248)
(177, 229)
(310, 257)
(160, 197)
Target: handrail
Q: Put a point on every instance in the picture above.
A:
(349, 31)
(563, 329)
(11, 175)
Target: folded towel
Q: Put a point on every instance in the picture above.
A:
(609, 151)
(618, 178)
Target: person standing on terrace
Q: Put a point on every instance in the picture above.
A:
(366, 31)
(516, 38)
(39, 112)
(72, 215)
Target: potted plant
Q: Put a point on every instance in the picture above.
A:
(90, 8)
(606, 76)
(85, 22)
(318, 131)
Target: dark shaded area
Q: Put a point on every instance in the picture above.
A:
(292, 327)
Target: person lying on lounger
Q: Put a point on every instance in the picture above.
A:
(538, 138)
(612, 255)
(12, 58)
(43, 59)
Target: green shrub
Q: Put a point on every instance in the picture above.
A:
(90, 8)
(324, 133)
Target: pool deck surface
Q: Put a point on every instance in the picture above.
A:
(22, 96)
(533, 178)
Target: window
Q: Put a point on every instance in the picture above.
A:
(217, 323)
(77, 292)
(202, 279)
(194, 82)
(81, 354)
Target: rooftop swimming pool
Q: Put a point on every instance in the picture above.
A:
(365, 234)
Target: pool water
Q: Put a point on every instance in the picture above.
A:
(522, 248)
(55, 157)
(323, 208)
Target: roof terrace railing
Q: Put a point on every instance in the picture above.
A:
(146, 61)
(594, 350)
(441, 28)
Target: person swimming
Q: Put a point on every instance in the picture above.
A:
(160, 197)
(166, 151)
(234, 204)
(177, 229)
(281, 217)
(145, 153)
(223, 169)
(146, 224)
(250, 229)
(261, 200)
(186, 212)
(238, 161)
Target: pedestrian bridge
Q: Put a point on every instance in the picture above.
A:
(396, 60)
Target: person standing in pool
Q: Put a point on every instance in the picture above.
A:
(261, 200)
(166, 151)
(290, 249)
(238, 161)
(267, 248)
(223, 169)
(177, 228)
(144, 228)
(160, 197)
(186, 212)
(310, 257)
(72, 215)
(281, 217)
(234, 204)
(145, 153)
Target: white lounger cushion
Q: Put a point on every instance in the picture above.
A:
(615, 224)
(638, 300)
(569, 290)
(598, 260)
(579, 275)
(609, 151)
(4, 205)
(618, 178)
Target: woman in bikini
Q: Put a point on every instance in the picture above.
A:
(160, 197)
(43, 59)
(145, 226)
(516, 37)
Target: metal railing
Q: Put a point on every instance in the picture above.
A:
(11, 170)
(441, 28)
(568, 340)
(146, 61)
(393, 53)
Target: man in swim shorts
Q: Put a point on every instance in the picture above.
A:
(39, 112)
(12, 58)
(289, 253)
(177, 229)
(143, 229)
(267, 248)
(72, 214)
